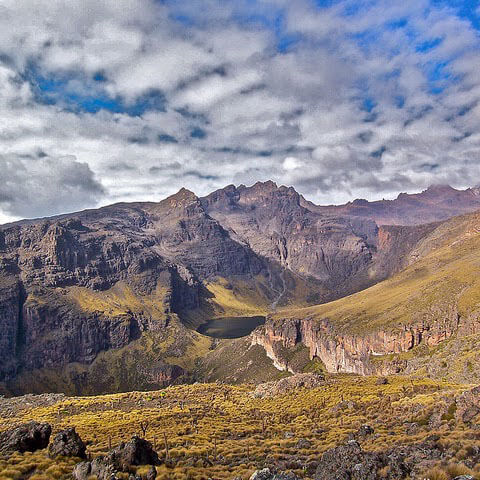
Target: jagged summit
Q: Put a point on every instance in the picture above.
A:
(181, 198)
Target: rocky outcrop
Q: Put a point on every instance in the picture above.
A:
(468, 405)
(350, 462)
(353, 352)
(28, 437)
(280, 387)
(67, 443)
(121, 459)
(267, 474)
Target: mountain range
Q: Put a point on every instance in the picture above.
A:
(111, 299)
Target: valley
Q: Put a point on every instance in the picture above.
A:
(158, 291)
(245, 334)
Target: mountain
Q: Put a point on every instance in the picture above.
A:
(437, 202)
(110, 299)
(424, 320)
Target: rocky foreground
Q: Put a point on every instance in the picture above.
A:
(307, 426)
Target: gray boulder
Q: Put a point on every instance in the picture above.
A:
(67, 443)
(28, 437)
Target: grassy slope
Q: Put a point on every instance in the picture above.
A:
(234, 418)
(443, 276)
(446, 272)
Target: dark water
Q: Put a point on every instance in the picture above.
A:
(230, 327)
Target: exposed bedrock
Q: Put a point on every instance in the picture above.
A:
(356, 352)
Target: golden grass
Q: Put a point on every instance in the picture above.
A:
(120, 300)
(193, 416)
(447, 276)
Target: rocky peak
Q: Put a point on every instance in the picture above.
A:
(183, 198)
(440, 189)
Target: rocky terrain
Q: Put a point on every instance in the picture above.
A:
(436, 203)
(109, 300)
(331, 427)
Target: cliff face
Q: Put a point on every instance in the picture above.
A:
(343, 253)
(57, 277)
(355, 353)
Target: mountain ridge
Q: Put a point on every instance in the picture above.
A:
(128, 284)
(470, 197)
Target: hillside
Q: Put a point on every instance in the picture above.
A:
(226, 432)
(92, 293)
(423, 320)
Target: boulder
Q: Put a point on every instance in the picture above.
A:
(363, 432)
(99, 467)
(151, 474)
(67, 443)
(468, 405)
(267, 474)
(280, 387)
(303, 443)
(350, 462)
(135, 452)
(28, 437)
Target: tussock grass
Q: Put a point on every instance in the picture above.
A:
(247, 431)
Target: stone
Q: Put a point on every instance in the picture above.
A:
(67, 443)
(151, 474)
(133, 453)
(303, 443)
(28, 437)
(137, 451)
(267, 474)
(365, 431)
(468, 405)
(280, 387)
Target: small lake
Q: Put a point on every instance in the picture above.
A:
(230, 327)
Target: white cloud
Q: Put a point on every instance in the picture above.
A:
(291, 163)
(298, 117)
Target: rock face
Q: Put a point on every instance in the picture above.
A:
(28, 437)
(67, 443)
(53, 274)
(352, 353)
(343, 253)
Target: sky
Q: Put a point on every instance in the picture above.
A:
(104, 101)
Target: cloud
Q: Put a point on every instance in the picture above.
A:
(291, 163)
(139, 97)
(45, 186)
